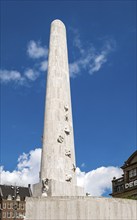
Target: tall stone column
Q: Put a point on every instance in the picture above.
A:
(58, 154)
(58, 157)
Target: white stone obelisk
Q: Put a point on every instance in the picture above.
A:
(58, 154)
(56, 196)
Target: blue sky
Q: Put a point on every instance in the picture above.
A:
(102, 55)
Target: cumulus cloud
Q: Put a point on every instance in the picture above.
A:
(35, 50)
(96, 182)
(27, 171)
(7, 76)
(13, 76)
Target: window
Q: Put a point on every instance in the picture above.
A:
(18, 205)
(122, 187)
(4, 205)
(22, 206)
(4, 215)
(9, 197)
(135, 172)
(13, 216)
(115, 189)
(132, 173)
(8, 205)
(21, 215)
(118, 188)
(17, 214)
(8, 215)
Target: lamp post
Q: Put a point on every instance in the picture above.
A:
(16, 191)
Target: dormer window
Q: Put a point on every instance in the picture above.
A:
(9, 197)
(18, 198)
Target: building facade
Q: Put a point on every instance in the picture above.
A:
(12, 201)
(126, 186)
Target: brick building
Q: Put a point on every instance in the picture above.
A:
(126, 186)
(12, 201)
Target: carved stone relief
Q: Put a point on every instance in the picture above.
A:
(68, 178)
(45, 186)
(60, 139)
(66, 108)
(67, 131)
(66, 118)
(73, 167)
(68, 153)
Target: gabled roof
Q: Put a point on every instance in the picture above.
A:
(6, 190)
(130, 159)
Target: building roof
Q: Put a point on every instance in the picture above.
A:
(132, 159)
(6, 190)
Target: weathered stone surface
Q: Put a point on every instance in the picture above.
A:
(58, 189)
(57, 165)
(80, 208)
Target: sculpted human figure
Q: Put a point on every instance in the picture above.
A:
(45, 186)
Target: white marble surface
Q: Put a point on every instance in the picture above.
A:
(80, 208)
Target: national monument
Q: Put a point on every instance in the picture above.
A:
(57, 195)
(57, 173)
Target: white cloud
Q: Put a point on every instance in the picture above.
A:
(7, 76)
(35, 50)
(27, 170)
(90, 59)
(96, 182)
(31, 74)
(98, 61)
(74, 69)
(13, 76)
(44, 65)
(77, 42)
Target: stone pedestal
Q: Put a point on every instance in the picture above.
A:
(80, 208)
(56, 188)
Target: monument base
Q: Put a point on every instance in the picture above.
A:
(80, 208)
(56, 188)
